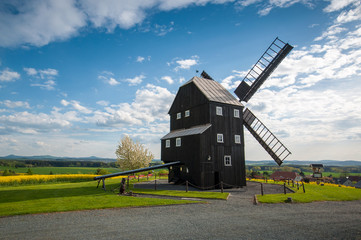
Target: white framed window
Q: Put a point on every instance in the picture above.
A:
(220, 138)
(167, 143)
(179, 115)
(187, 113)
(237, 138)
(219, 111)
(178, 142)
(236, 113)
(227, 160)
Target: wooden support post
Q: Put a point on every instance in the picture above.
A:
(303, 185)
(284, 188)
(98, 183)
(293, 183)
(128, 183)
(138, 178)
(186, 186)
(155, 184)
(103, 183)
(298, 186)
(221, 186)
(262, 189)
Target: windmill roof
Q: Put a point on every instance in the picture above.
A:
(187, 132)
(214, 91)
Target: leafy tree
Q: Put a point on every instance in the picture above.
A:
(29, 172)
(132, 155)
(101, 171)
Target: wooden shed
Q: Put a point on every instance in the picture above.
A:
(206, 136)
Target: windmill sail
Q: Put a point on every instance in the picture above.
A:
(268, 62)
(265, 137)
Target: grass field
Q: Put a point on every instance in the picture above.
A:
(60, 197)
(314, 192)
(59, 170)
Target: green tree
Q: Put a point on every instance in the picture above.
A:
(132, 155)
(29, 172)
(101, 171)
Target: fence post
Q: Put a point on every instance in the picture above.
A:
(221, 186)
(186, 186)
(284, 188)
(303, 185)
(155, 184)
(262, 189)
(138, 178)
(128, 184)
(103, 184)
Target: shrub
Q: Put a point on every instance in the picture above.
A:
(101, 171)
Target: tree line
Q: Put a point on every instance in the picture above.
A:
(52, 163)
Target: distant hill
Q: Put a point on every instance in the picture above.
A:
(307, 162)
(52, 158)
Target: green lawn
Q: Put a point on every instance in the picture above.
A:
(45, 198)
(314, 193)
(59, 170)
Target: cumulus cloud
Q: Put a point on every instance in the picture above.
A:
(168, 79)
(184, 63)
(135, 81)
(44, 78)
(108, 77)
(140, 59)
(8, 76)
(76, 105)
(150, 105)
(15, 104)
(38, 23)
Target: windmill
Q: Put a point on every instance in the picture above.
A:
(205, 145)
(254, 79)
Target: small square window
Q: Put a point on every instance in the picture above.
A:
(220, 137)
(236, 113)
(187, 113)
(227, 160)
(179, 115)
(167, 143)
(219, 111)
(237, 138)
(178, 142)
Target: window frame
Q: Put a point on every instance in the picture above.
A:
(220, 138)
(178, 142)
(227, 160)
(187, 113)
(219, 111)
(179, 115)
(239, 138)
(234, 113)
(167, 143)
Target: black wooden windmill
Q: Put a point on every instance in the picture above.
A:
(206, 138)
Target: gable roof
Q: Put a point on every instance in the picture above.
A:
(214, 91)
(187, 132)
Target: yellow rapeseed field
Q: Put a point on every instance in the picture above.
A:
(32, 179)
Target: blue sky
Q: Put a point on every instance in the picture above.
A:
(75, 76)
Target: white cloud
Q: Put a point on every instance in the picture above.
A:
(140, 59)
(186, 63)
(103, 103)
(15, 104)
(76, 105)
(168, 79)
(113, 82)
(31, 71)
(135, 81)
(44, 78)
(37, 22)
(108, 78)
(150, 105)
(336, 5)
(8, 76)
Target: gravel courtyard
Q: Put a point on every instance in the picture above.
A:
(236, 218)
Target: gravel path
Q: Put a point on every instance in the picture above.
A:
(236, 218)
